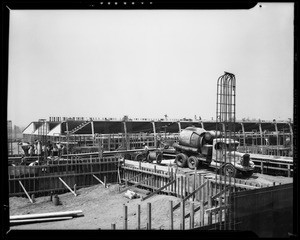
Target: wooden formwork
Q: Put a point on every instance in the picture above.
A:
(43, 179)
(209, 195)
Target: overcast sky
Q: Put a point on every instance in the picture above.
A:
(148, 63)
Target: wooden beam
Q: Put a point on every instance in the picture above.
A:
(67, 186)
(119, 176)
(216, 209)
(136, 184)
(125, 223)
(221, 193)
(171, 215)
(25, 191)
(130, 179)
(37, 220)
(47, 215)
(158, 190)
(148, 216)
(99, 180)
(188, 196)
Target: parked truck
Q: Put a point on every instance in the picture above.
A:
(196, 147)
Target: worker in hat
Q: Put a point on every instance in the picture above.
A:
(145, 150)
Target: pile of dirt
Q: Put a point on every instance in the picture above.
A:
(101, 208)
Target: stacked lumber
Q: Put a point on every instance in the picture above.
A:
(44, 217)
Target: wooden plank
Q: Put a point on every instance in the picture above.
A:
(67, 186)
(158, 190)
(192, 216)
(221, 193)
(47, 215)
(148, 216)
(202, 213)
(182, 215)
(144, 171)
(216, 209)
(181, 186)
(136, 184)
(171, 215)
(37, 220)
(237, 185)
(25, 192)
(125, 217)
(132, 178)
(187, 197)
(139, 217)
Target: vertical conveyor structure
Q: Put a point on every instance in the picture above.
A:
(225, 123)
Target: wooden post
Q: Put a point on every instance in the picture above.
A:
(220, 212)
(149, 216)
(119, 177)
(113, 226)
(125, 217)
(139, 217)
(192, 215)
(261, 167)
(182, 217)
(202, 190)
(105, 182)
(194, 184)
(171, 215)
(32, 197)
(75, 188)
(201, 213)
(181, 180)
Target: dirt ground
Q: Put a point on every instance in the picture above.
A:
(101, 208)
(104, 206)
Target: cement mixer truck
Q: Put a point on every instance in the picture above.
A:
(197, 147)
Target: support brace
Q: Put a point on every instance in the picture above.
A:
(67, 186)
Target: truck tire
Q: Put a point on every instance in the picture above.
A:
(181, 160)
(127, 156)
(159, 158)
(193, 162)
(140, 157)
(229, 170)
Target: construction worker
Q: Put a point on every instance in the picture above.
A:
(146, 150)
(49, 148)
(30, 150)
(25, 147)
(54, 150)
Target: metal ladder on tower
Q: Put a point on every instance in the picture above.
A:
(80, 126)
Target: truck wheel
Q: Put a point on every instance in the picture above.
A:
(159, 158)
(229, 170)
(181, 160)
(139, 157)
(192, 162)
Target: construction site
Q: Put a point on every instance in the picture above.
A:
(155, 174)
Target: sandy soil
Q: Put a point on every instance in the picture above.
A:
(104, 206)
(101, 207)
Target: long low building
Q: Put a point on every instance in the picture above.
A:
(57, 126)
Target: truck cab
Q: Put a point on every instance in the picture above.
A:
(226, 156)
